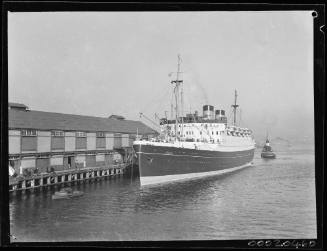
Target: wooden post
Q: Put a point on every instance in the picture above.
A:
(56, 179)
(24, 184)
(41, 181)
(69, 177)
(87, 175)
(32, 182)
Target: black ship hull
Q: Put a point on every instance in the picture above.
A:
(158, 164)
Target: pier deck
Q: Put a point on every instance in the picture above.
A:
(66, 176)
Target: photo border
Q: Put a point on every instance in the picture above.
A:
(319, 111)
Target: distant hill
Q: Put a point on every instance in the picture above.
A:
(281, 141)
(277, 141)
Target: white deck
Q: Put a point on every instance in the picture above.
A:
(230, 145)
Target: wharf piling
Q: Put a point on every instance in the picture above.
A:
(67, 176)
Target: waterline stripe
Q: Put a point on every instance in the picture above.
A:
(153, 180)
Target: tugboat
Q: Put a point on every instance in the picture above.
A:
(66, 193)
(267, 152)
(193, 146)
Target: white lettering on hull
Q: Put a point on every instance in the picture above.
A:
(154, 180)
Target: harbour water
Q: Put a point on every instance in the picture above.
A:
(271, 199)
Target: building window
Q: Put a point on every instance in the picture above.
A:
(100, 140)
(118, 140)
(81, 140)
(217, 132)
(57, 140)
(57, 134)
(80, 134)
(100, 134)
(28, 132)
(29, 140)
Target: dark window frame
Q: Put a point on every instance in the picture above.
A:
(29, 133)
(100, 134)
(80, 134)
(57, 134)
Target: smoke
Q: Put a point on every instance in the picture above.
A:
(204, 94)
(197, 91)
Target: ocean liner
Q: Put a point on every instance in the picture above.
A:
(193, 146)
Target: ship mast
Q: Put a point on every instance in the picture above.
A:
(182, 111)
(234, 108)
(177, 82)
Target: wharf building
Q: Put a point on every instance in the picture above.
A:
(46, 141)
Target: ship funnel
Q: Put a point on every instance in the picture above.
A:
(220, 116)
(219, 113)
(208, 112)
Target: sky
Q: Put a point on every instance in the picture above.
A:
(103, 63)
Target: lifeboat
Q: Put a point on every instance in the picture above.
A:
(66, 193)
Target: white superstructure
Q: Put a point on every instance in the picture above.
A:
(206, 132)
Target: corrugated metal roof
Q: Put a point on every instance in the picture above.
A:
(17, 105)
(69, 122)
(114, 116)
